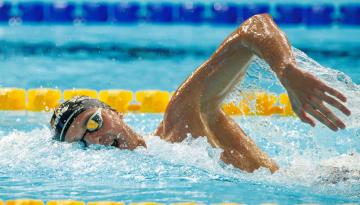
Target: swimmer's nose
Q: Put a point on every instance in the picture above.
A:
(124, 140)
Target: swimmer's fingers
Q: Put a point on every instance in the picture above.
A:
(306, 119)
(333, 92)
(321, 117)
(300, 109)
(331, 101)
(319, 106)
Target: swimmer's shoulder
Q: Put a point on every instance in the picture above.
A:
(182, 116)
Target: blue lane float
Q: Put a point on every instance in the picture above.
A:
(32, 12)
(60, 12)
(125, 12)
(191, 13)
(350, 14)
(160, 12)
(319, 15)
(95, 12)
(224, 13)
(187, 12)
(253, 9)
(289, 14)
(5, 11)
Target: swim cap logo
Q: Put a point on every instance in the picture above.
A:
(59, 112)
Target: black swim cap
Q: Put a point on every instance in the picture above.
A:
(65, 114)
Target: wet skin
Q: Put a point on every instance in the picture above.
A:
(195, 107)
(113, 131)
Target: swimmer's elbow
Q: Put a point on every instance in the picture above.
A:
(262, 37)
(255, 23)
(257, 29)
(274, 168)
(259, 17)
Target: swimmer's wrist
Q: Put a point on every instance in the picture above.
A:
(283, 69)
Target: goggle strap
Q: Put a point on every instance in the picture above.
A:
(69, 121)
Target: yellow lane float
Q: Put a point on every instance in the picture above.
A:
(24, 202)
(265, 104)
(144, 101)
(285, 101)
(152, 101)
(12, 99)
(186, 203)
(258, 103)
(105, 203)
(145, 203)
(65, 202)
(71, 202)
(231, 109)
(117, 99)
(247, 103)
(43, 99)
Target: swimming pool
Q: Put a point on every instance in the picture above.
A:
(105, 57)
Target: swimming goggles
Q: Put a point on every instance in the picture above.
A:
(94, 123)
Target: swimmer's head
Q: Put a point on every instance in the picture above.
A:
(92, 122)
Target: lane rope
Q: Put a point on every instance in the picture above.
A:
(142, 101)
(73, 202)
(67, 12)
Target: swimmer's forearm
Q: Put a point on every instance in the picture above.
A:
(262, 36)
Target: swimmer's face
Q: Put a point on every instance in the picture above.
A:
(113, 132)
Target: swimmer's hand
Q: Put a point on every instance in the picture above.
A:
(307, 94)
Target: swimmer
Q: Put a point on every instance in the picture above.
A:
(195, 107)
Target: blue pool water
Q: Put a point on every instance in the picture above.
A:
(160, 57)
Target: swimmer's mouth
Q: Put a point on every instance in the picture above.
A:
(118, 143)
(115, 144)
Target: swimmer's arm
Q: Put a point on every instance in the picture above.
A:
(205, 90)
(260, 36)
